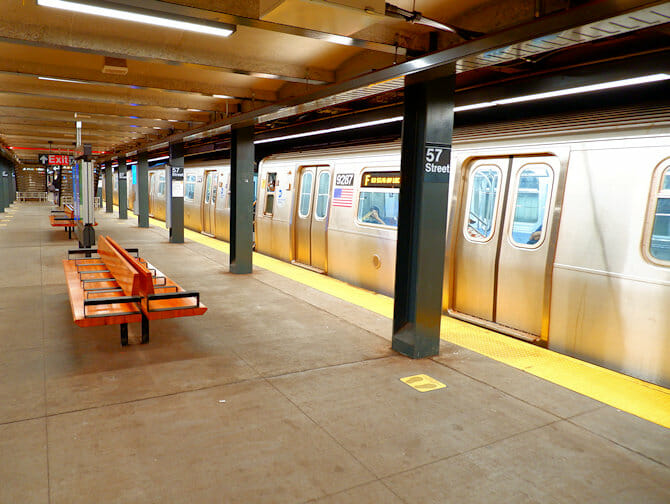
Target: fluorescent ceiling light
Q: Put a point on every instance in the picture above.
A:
(226, 97)
(63, 80)
(330, 130)
(173, 120)
(139, 15)
(569, 91)
(161, 158)
(194, 110)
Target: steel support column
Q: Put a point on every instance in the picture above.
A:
(242, 194)
(143, 189)
(424, 195)
(109, 188)
(174, 192)
(123, 188)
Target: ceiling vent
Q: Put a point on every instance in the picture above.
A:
(115, 66)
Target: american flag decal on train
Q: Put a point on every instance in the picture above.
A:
(343, 197)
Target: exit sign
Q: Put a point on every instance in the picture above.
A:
(59, 159)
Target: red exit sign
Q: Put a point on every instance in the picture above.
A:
(59, 159)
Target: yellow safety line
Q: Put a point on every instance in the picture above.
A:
(626, 393)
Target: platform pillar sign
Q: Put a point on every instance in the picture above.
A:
(143, 189)
(424, 195)
(174, 193)
(122, 173)
(109, 187)
(242, 198)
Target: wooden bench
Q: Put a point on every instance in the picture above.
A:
(64, 218)
(117, 287)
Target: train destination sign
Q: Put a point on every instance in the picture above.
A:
(436, 161)
(385, 179)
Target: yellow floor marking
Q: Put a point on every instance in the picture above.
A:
(638, 397)
(423, 383)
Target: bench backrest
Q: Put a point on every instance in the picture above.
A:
(124, 272)
(145, 284)
(69, 210)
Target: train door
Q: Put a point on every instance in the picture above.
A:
(209, 203)
(503, 254)
(311, 219)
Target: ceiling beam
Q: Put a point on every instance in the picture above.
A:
(57, 37)
(12, 66)
(65, 119)
(14, 99)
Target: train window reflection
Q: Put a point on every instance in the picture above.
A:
(305, 193)
(660, 233)
(161, 184)
(322, 193)
(533, 194)
(484, 184)
(379, 207)
(189, 189)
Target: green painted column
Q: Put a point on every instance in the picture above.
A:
(123, 188)
(242, 197)
(143, 189)
(109, 188)
(424, 195)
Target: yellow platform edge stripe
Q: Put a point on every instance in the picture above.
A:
(645, 400)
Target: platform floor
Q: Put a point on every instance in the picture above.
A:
(281, 394)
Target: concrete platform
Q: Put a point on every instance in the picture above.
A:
(278, 394)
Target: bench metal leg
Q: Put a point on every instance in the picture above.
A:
(124, 334)
(69, 233)
(145, 329)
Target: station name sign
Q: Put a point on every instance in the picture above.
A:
(388, 180)
(436, 162)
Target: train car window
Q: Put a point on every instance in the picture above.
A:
(659, 245)
(161, 185)
(379, 207)
(305, 193)
(323, 192)
(483, 201)
(533, 193)
(189, 192)
(269, 193)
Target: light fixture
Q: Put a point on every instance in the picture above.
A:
(161, 158)
(194, 110)
(226, 97)
(569, 91)
(505, 101)
(72, 81)
(140, 15)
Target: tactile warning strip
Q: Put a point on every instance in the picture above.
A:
(634, 396)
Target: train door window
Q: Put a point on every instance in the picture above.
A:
(659, 243)
(305, 193)
(228, 191)
(208, 188)
(482, 204)
(270, 193)
(533, 193)
(323, 192)
(161, 185)
(189, 193)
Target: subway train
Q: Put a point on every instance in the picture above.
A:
(558, 227)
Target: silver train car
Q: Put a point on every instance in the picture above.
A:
(558, 232)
